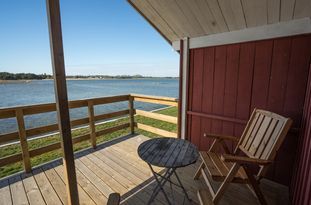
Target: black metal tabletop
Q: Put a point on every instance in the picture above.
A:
(168, 152)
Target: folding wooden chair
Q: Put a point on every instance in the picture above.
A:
(262, 137)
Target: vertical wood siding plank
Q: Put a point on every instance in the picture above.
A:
(278, 76)
(244, 95)
(261, 74)
(230, 96)
(197, 80)
(190, 86)
(197, 93)
(207, 97)
(219, 86)
(277, 89)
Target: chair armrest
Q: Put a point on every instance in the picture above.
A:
(244, 160)
(222, 137)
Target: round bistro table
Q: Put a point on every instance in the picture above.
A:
(170, 153)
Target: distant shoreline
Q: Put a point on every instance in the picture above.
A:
(147, 78)
(14, 81)
(28, 81)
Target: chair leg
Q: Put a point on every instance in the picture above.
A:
(255, 186)
(226, 182)
(250, 187)
(198, 172)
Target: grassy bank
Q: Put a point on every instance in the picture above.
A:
(14, 149)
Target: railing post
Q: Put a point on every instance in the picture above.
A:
(23, 139)
(131, 114)
(92, 123)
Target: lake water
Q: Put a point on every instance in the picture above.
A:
(36, 92)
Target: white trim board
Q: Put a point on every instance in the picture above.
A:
(185, 66)
(283, 29)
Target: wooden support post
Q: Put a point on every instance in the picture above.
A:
(92, 123)
(58, 64)
(23, 139)
(180, 98)
(131, 114)
(184, 85)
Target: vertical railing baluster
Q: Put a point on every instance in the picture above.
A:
(131, 114)
(23, 139)
(92, 123)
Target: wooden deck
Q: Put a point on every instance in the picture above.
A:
(115, 167)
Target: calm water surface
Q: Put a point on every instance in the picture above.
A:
(36, 92)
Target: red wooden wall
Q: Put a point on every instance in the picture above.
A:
(227, 82)
(301, 185)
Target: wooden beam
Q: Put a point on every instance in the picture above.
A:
(155, 130)
(184, 96)
(23, 140)
(58, 64)
(180, 94)
(131, 114)
(277, 30)
(157, 116)
(156, 101)
(92, 123)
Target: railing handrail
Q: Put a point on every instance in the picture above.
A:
(22, 135)
(9, 112)
(164, 98)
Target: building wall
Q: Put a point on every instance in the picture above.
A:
(301, 185)
(227, 82)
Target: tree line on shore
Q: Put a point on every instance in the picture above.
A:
(23, 76)
(32, 76)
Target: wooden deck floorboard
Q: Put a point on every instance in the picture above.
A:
(115, 167)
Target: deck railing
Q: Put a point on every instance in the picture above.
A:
(23, 135)
(156, 116)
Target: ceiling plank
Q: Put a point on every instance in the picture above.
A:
(217, 13)
(156, 19)
(273, 11)
(199, 15)
(256, 12)
(233, 13)
(287, 10)
(184, 7)
(174, 17)
(165, 13)
(302, 9)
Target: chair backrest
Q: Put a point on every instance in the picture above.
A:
(263, 135)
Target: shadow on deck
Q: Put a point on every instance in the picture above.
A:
(115, 167)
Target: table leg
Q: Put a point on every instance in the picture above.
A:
(181, 186)
(160, 184)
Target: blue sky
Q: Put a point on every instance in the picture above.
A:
(100, 37)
